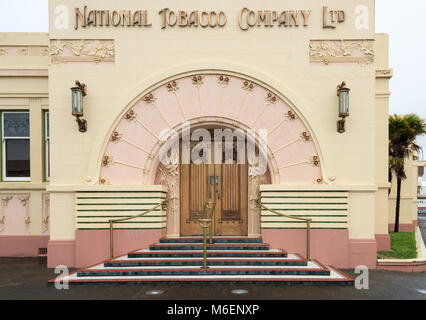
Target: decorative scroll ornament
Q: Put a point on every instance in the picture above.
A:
(130, 115)
(24, 200)
(46, 215)
(104, 181)
(173, 166)
(116, 137)
(4, 201)
(367, 48)
(315, 161)
(45, 51)
(172, 86)
(76, 47)
(173, 169)
(56, 47)
(101, 51)
(254, 195)
(248, 86)
(23, 51)
(346, 48)
(3, 51)
(271, 98)
(197, 80)
(305, 136)
(318, 181)
(172, 182)
(223, 80)
(322, 51)
(149, 98)
(343, 51)
(291, 115)
(107, 161)
(257, 167)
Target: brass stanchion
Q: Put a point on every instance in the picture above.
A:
(205, 224)
(111, 240)
(308, 240)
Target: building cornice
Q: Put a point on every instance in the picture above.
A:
(384, 73)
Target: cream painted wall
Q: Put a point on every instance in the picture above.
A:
(284, 60)
(276, 56)
(24, 86)
(383, 75)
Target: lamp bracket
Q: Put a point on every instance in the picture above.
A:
(341, 125)
(82, 124)
(82, 87)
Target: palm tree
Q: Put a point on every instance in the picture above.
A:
(403, 131)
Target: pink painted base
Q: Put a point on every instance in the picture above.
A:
(402, 266)
(61, 253)
(22, 246)
(332, 247)
(383, 242)
(92, 246)
(403, 227)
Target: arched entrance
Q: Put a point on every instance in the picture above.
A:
(211, 100)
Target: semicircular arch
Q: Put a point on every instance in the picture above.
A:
(130, 151)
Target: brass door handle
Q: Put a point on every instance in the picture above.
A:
(209, 183)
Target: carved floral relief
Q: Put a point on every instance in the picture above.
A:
(82, 51)
(342, 51)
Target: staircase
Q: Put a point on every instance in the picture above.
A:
(230, 259)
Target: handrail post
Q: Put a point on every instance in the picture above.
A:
(205, 248)
(308, 240)
(111, 240)
(210, 233)
(205, 225)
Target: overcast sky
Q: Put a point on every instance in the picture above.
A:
(398, 19)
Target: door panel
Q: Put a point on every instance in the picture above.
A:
(231, 212)
(227, 185)
(196, 188)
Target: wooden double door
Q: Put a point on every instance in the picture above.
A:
(226, 185)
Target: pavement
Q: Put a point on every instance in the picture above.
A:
(26, 279)
(422, 225)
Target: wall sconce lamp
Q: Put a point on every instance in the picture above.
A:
(343, 94)
(78, 92)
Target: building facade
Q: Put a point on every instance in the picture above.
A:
(152, 69)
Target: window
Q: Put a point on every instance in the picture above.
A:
(16, 146)
(47, 146)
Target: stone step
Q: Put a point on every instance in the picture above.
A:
(215, 240)
(313, 268)
(210, 253)
(230, 260)
(335, 277)
(260, 261)
(216, 246)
